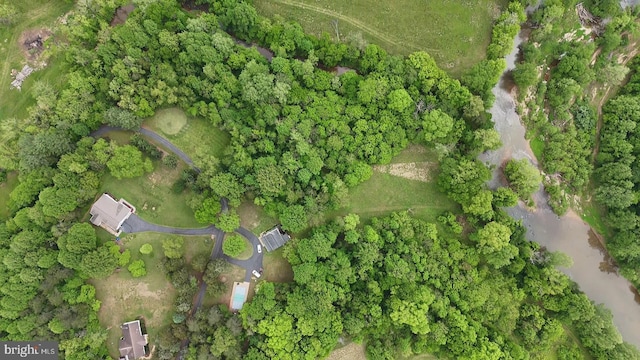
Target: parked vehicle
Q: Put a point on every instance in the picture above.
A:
(255, 273)
(259, 249)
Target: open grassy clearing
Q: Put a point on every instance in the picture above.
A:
(455, 33)
(254, 218)
(276, 267)
(196, 245)
(351, 351)
(125, 298)
(32, 15)
(5, 189)
(393, 193)
(152, 196)
(394, 188)
(195, 136)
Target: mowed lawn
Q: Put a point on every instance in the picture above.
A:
(455, 33)
(195, 136)
(397, 190)
(153, 198)
(125, 298)
(33, 14)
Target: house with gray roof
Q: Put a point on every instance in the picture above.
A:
(132, 342)
(274, 238)
(110, 214)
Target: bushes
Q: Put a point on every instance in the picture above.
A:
(145, 146)
(137, 269)
(505, 30)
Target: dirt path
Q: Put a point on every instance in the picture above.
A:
(355, 23)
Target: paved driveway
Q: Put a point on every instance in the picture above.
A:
(135, 224)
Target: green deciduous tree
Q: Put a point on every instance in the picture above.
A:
(125, 119)
(137, 269)
(99, 263)
(146, 249)
(293, 218)
(524, 178)
(234, 245)
(173, 247)
(127, 162)
(436, 125)
(229, 221)
(208, 211)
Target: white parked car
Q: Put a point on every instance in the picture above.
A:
(259, 249)
(255, 273)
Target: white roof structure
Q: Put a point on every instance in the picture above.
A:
(109, 214)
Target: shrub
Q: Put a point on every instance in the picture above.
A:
(137, 269)
(170, 161)
(146, 249)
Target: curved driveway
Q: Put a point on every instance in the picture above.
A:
(135, 224)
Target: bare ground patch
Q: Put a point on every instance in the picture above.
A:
(352, 351)
(32, 43)
(420, 171)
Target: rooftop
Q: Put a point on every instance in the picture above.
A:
(109, 213)
(274, 238)
(132, 342)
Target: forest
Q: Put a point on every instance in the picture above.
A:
(467, 285)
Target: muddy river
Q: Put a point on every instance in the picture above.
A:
(592, 269)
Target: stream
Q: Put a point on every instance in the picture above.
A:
(592, 268)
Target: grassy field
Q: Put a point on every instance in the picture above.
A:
(254, 218)
(33, 14)
(151, 296)
(195, 136)
(195, 245)
(276, 267)
(5, 189)
(394, 188)
(152, 196)
(125, 298)
(455, 33)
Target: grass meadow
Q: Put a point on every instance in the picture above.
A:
(125, 298)
(33, 14)
(455, 33)
(195, 136)
(408, 183)
(152, 196)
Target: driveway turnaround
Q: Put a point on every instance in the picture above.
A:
(135, 224)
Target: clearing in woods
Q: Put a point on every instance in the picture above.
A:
(34, 16)
(455, 33)
(408, 183)
(196, 136)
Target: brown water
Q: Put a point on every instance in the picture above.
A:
(593, 269)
